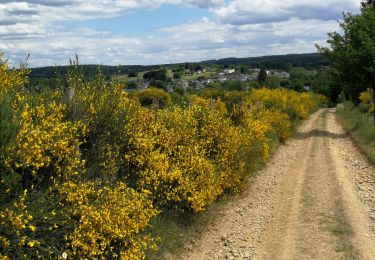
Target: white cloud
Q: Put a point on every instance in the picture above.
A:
(188, 42)
(239, 28)
(213, 36)
(261, 11)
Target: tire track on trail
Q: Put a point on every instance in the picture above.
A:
(307, 203)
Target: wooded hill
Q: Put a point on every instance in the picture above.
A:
(276, 61)
(270, 62)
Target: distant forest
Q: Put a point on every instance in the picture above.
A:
(312, 60)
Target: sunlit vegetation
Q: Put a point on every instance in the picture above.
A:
(85, 168)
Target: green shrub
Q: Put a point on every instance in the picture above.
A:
(147, 97)
(342, 97)
(8, 124)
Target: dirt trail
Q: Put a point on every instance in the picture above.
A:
(314, 200)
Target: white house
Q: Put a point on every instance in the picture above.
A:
(229, 71)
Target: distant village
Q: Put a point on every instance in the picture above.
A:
(205, 76)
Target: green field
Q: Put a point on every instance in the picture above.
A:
(124, 77)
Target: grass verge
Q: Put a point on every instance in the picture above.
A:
(343, 231)
(178, 229)
(361, 127)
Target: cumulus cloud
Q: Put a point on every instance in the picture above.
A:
(204, 4)
(262, 11)
(197, 41)
(211, 36)
(240, 28)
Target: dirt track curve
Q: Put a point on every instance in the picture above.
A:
(315, 199)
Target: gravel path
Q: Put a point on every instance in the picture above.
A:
(315, 199)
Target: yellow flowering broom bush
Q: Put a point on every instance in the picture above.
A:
(296, 105)
(11, 80)
(45, 144)
(110, 220)
(165, 155)
(188, 157)
(84, 219)
(67, 208)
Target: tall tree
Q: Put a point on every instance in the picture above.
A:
(352, 53)
(262, 76)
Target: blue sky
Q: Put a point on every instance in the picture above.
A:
(143, 21)
(117, 32)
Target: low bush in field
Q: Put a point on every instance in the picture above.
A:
(85, 173)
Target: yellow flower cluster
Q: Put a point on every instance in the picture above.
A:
(45, 141)
(19, 223)
(111, 219)
(296, 105)
(367, 100)
(11, 79)
(183, 156)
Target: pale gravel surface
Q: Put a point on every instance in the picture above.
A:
(290, 208)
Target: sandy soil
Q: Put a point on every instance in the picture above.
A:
(315, 199)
